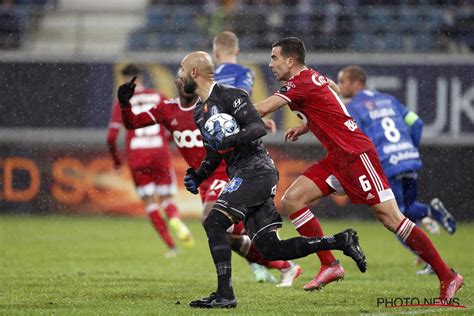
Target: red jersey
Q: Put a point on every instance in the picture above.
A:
(143, 145)
(179, 121)
(310, 97)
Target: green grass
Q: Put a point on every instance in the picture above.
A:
(102, 265)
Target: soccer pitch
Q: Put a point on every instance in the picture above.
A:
(115, 266)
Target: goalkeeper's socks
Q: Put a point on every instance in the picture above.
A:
(224, 280)
(419, 243)
(308, 225)
(160, 225)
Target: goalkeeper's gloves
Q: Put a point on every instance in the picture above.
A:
(192, 181)
(125, 92)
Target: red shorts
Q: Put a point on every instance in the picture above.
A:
(212, 187)
(362, 180)
(154, 179)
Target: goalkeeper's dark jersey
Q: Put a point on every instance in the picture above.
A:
(250, 156)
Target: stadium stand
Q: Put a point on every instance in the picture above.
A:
(162, 25)
(17, 17)
(411, 26)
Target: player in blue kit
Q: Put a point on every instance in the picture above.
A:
(396, 132)
(228, 71)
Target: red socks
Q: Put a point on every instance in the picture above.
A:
(307, 225)
(255, 256)
(170, 209)
(160, 225)
(417, 240)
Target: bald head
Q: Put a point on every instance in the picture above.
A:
(197, 70)
(198, 62)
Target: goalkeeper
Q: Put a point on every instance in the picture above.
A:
(249, 195)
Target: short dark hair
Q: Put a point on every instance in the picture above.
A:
(292, 47)
(131, 70)
(356, 73)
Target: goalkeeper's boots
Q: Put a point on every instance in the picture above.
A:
(449, 288)
(261, 274)
(289, 275)
(326, 275)
(182, 232)
(214, 301)
(440, 214)
(351, 248)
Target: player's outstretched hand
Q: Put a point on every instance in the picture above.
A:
(294, 133)
(191, 181)
(125, 92)
(270, 125)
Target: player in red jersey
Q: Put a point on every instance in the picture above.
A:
(176, 115)
(149, 160)
(351, 164)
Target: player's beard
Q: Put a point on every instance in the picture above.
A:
(190, 85)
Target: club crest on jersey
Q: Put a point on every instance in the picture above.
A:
(233, 185)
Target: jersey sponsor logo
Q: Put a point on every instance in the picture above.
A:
(351, 125)
(388, 149)
(406, 155)
(188, 139)
(237, 103)
(233, 185)
(319, 80)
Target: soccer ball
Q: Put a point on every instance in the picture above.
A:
(228, 125)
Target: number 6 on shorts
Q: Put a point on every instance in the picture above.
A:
(364, 183)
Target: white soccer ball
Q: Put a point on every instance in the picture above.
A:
(227, 123)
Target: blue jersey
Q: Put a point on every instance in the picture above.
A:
(235, 75)
(381, 117)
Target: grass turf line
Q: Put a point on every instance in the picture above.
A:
(107, 265)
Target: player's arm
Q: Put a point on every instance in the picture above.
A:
(250, 122)
(415, 123)
(270, 104)
(147, 118)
